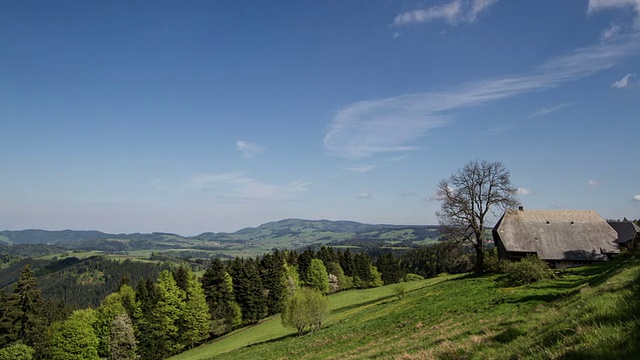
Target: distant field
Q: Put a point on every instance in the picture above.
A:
(590, 312)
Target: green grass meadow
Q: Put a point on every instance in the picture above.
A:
(591, 312)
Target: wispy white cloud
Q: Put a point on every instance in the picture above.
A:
(158, 184)
(550, 109)
(500, 128)
(523, 191)
(595, 183)
(611, 32)
(238, 185)
(365, 195)
(622, 83)
(249, 149)
(600, 5)
(636, 197)
(361, 168)
(454, 12)
(371, 127)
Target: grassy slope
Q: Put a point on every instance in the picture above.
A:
(591, 312)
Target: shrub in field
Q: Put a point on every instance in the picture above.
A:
(492, 263)
(412, 277)
(400, 290)
(527, 270)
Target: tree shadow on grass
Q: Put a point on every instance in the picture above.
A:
(362, 304)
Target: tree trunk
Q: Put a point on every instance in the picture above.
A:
(477, 268)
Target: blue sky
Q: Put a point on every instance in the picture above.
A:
(186, 117)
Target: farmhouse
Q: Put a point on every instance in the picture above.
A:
(561, 237)
(628, 233)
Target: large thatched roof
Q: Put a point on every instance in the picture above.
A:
(557, 234)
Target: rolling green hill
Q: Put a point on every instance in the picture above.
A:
(283, 234)
(586, 313)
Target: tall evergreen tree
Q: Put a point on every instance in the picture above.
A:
(146, 297)
(304, 260)
(181, 274)
(389, 266)
(362, 270)
(247, 288)
(327, 255)
(273, 281)
(218, 289)
(346, 260)
(22, 318)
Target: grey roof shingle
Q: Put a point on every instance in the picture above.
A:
(557, 234)
(627, 230)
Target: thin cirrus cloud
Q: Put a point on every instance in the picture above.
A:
(361, 168)
(387, 125)
(595, 183)
(622, 83)
(455, 12)
(249, 149)
(238, 185)
(550, 109)
(523, 191)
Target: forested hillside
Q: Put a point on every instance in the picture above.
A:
(165, 308)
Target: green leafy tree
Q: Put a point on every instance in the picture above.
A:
(305, 310)
(469, 197)
(317, 277)
(74, 338)
(194, 320)
(165, 317)
(291, 280)
(376, 278)
(122, 339)
(344, 282)
(17, 351)
(110, 307)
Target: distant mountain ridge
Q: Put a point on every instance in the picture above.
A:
(286, 233)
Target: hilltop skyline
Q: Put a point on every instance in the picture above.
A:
(129, 117)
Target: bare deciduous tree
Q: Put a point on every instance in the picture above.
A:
(469, 197)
